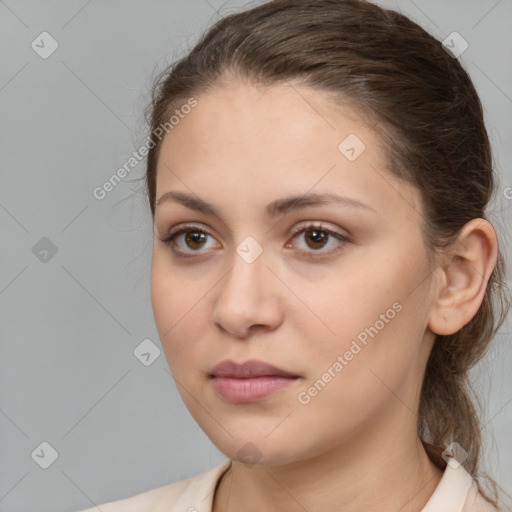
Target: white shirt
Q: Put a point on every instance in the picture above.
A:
(456, 492)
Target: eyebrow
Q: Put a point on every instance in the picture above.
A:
(273, 209)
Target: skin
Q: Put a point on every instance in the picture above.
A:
(354, 446)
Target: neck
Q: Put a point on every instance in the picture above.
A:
(384, 469)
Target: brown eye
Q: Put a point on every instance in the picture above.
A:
(187, 240)
(195, 239)
(316, 238)
(190, 240)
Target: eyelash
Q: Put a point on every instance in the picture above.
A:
(302, 229)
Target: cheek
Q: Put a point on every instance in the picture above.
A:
(349, 302)
(352, 382)
(383, 360)
(178, 307)
(376, 316)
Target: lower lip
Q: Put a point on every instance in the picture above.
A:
(249, 390)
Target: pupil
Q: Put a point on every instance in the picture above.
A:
(318, 237)
(194, 237)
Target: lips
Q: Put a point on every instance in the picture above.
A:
(248, 369)
(250, 381)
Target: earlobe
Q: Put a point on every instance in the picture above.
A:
(470, 262)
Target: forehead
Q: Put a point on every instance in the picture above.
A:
(256, 140)
(288, 124)
(239, 107)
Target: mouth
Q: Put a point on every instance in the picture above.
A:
(249, 381)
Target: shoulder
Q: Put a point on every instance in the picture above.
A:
(458, 491)
(194, 493)
(475, 502)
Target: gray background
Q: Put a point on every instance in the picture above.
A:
(70, 324)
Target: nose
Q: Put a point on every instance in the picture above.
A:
(248, 298)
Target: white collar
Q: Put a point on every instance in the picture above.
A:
(452, 491)
(449, 496)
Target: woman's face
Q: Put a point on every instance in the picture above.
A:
(344, 307)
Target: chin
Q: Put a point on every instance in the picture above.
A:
(257, 450)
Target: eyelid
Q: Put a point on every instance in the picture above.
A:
(320, 254)
(305, 225)
(187, 227)
(178, 231)
(302, 227)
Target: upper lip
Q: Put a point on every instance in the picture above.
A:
(247, 369)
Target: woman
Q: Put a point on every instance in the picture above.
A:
(323, 274)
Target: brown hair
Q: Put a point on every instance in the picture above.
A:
(429, 117)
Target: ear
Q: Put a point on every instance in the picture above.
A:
(464, 276)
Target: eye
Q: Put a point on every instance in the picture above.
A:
(317, 237)
(195, 238)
